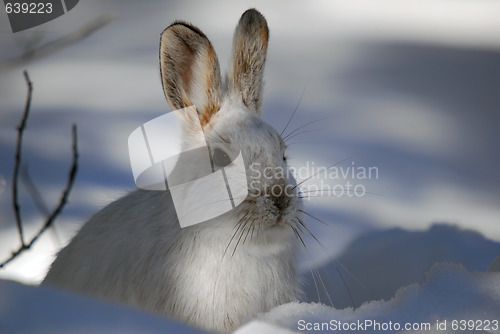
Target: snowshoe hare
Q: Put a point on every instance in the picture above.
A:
(215, 274)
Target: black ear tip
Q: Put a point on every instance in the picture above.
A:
(180, 25)
(252, 11)
(252, 15)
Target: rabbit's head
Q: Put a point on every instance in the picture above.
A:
(230, 115)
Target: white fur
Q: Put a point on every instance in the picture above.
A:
(211, 275)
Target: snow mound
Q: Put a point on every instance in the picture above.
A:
(376, 264)
(451, 294)
(421, 292)
(45, 310)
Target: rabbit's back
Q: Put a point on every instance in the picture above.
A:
(117, 244)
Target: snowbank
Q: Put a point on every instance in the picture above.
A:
(450, 294)
(378, 263)
(43, 310)
(442, 295)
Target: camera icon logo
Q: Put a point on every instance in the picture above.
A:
(205, 182)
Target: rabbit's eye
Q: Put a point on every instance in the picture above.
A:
(221, 158)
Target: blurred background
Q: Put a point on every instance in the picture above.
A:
(409, 87)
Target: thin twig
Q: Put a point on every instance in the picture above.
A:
(64, 195)
(67, 189)
(17, 159)
(33, 192)
(37, 198)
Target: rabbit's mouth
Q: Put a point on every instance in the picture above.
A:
(268, 212)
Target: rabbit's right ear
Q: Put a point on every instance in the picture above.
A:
(190, 70)
(249, 56)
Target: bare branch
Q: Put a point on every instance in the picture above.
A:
(59, 43)
(33, 192)
(65, 193)
(17, 159)
(15, 179)
(37, 198)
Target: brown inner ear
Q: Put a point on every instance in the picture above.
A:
(183, 47)
(186, 74)
(178, 58)
(207, 113)
(212, 79)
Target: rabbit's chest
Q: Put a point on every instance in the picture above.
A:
(212, 289)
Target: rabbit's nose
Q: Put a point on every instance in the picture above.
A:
(281, 196)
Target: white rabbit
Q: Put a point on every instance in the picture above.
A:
(215, 274)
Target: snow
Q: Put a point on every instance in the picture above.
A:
(419, 105)
(426, 287)
(450, 293)
(257, 326)
(378, 263)
(26, 309)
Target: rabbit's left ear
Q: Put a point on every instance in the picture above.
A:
(190, 70)
(249, 56)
